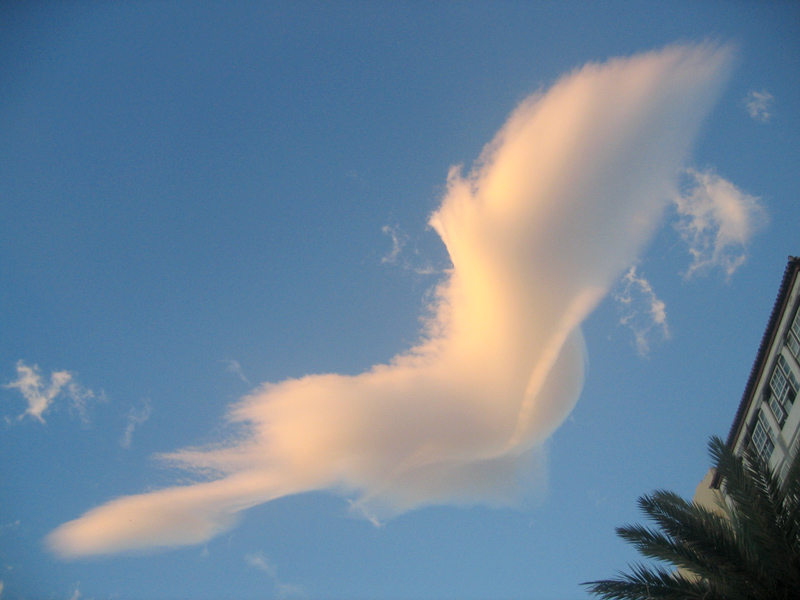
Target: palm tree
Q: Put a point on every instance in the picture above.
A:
(750, 552)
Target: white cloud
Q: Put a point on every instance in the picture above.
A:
(642, 311)
(135, 418)
(11, 525)
(77, 593)
(40, 395)
(284, 590)
(1, 588)
(233, 366)
(717, 221)
(399, 241)
(80, 397)
(759, 105)
(553, 212)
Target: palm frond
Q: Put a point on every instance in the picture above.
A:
(760, 517)
(650, 583)
(696, 540)
(753, 552)
(791, 491)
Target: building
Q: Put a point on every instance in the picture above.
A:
(768, 417)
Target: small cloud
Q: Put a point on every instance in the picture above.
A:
(40, 395)
(426, 269)
(399, 241)
(12, 525)
(759, 105)
(1, 588)
(77, 593)
(135, 418)
(284, 590)
(260, 562)
(363, 511)
(642, 311)
(717, 220)
(233, 366)
(79, 400)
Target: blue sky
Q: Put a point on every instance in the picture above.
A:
(200, 198)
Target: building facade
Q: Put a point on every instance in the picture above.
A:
(768, 418)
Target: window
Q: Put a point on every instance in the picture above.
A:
(782, 390)
(763, 439)
(793, 337)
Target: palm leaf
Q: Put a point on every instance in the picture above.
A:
(649, 583)
(753, 553)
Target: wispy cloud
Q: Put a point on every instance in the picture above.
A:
(283, 590)
(135, 417)
(10, 526)
(233, 366)
(40, 395)
(717, 221)
(759, 105)
(399, 241)
(642, 311)
(556, 208)
(80, 399)
(77, 593)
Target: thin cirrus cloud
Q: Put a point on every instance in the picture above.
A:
(40, 394)
(759, 105)
(553, 212)
(283, 590)
(233, 366)
(76, 595)
(644, 313)
(399, 241)
(717, 221)
(134, 418)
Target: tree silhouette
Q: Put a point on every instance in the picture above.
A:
(748, 551)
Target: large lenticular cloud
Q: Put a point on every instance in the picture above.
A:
(555, 209)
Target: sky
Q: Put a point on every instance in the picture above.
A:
(375, 300)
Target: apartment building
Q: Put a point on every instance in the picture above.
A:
(768, 418)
